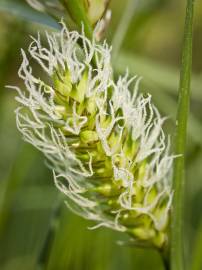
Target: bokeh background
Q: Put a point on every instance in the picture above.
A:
(150, 36)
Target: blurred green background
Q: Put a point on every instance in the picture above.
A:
(150, 35)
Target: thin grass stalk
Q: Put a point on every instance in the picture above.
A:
(77, 10)
(177, 253)
(196, 263)
(47, 244)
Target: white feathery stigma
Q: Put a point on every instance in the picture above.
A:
(103, 140)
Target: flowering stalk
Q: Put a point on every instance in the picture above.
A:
(52, 228)
(177, 247)
(77, 11)
(94, 9)
(106, 146)
(89, 12)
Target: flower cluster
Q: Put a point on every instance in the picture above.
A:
(105, 143)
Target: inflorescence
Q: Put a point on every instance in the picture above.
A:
(105, 143)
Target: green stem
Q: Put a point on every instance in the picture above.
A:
(77, 11)
(177, 257)
(166, 264)
(165, 258)
(50, 236)
(196, 263)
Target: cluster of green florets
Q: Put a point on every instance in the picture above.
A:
(104, 142)
(104, 188)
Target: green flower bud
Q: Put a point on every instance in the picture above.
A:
(95, 9)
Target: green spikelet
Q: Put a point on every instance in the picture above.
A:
(105, 145)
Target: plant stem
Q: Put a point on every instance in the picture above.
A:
(166, 261)
(50, 236)
(177, 257)
(166, 264)
(77, 11)
(196, 263)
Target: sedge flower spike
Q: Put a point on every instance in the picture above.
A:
(105, 143)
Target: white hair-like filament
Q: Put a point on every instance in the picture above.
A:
(38, 119)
